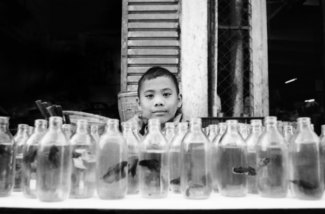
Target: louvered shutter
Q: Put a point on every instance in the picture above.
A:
(150, 37)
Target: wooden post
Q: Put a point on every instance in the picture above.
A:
(124, 45)
(259, 86)
(194, 57)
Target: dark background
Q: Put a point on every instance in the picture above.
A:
(68, 52)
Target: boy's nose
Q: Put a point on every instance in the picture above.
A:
(159, 102)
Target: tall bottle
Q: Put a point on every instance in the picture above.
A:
(231, 158)
(195, 173)
(7, 158)
(133, 158)
(175, 160)
(20, 140)
(251, 143)
(306, 178)
(83, 181)
(54, 164)
(272, 161)
(154, 167)
(30, 159)
(112, 170)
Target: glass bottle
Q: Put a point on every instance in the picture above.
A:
(322, 149)
(83, 163)
(251, 143)
(54, 164)
(20, 140)
(169, 132)
(67, 130)
(231, 157)
(306, 177)
(31, 130)
(272, 162)
(195, 153)
(111, 171)
(213, 132)
(154, 171)
(7, 158)
(30, 159)
(133, 158)
(175, 160)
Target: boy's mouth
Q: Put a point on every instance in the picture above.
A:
(159, 112)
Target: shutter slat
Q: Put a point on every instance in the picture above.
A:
(150, 43)
(142, 70)
(151, 61)
(155, 51)
(146, 1)
(153, 8)
(151, 25)
(133, 79)
(154, 16)
(132, 87)
(150, 34)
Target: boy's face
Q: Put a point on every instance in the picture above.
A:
(159, 99)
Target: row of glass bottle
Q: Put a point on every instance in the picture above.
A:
(188, 164)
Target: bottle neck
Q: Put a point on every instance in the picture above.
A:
(4, 128)
(55, 123)
(304, 124)
(232, 127)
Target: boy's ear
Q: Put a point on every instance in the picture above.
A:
(180, 100)
(138, 102)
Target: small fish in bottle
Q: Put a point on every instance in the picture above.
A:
(306, 177)
(195, 173)
(251, 143)
(54, 164)
(154, 167)
(175, 158)
(133, 158)
(231, 158)
(30, 159)
(272, 179)
(83, 163)
(7, 158)
(20, 140)
(112, 163)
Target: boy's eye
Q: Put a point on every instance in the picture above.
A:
(167, 94)
(149, 96)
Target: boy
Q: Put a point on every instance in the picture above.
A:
(158, 97)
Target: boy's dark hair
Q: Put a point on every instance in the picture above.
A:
(155, 72)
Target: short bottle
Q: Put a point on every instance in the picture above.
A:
(175, 160)
(7, 158)
(20, 140)
(306, 177)
(54, 164)
(83, 181)
(251, 143)
(272, 162)
(231, 158)
(154, 167)
(30, 159)
(112, 163)
(133, 158)
(195, 173)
